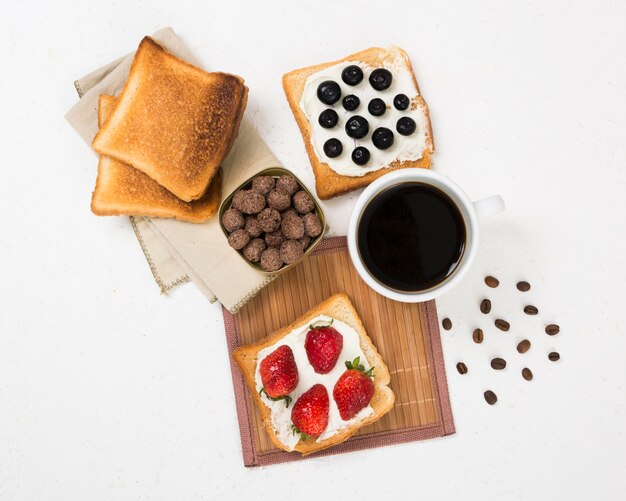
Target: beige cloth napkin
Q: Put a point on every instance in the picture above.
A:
(178, 251)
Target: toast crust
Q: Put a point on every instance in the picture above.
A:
(174, 121)
(336, 306)
(328, 183)
(123, 190)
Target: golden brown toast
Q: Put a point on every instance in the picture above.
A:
(173, 121)
(122, 189)
(340, 307)
(329, 183)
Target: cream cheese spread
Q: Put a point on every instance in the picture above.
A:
(307, 377)
(404, 147)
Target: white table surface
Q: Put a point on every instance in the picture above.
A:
(109, 390)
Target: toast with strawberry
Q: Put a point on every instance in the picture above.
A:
(317, 381)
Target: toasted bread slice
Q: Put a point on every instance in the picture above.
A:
(122, 189)
(173, 121)
(339, 307)
(329, 183)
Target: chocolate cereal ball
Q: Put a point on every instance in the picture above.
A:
(269, 219)
(305, 242)
(263, 184)
(271, 260)
(292, 226)
(238, 239)
(291, 251)
(253, 227)
(278, 199)
(252, 252)
(251, 202)
(287, 183)
(290, 210)
(312, 225)
(274, 238)
(237, 201)
(303, 202)
(232, 220)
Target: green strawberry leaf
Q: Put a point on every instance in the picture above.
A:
(321, 323)
(296, 431)
(356, 365)
(286, 398)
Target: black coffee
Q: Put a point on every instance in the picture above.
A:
(411, 237)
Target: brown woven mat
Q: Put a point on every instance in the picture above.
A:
(406, 335)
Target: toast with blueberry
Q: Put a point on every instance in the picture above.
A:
(311, 391)
(360, 117)
(173, 121)
(122, 189)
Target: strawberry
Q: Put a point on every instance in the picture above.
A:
(279, 374)
(323, 345)
(353, 390)
(310, 412)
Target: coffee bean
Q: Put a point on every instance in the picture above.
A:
(447, 324)
(527, 374)
(485, 306)
(523, 286)
(492, 282)
(503, 325)
(498, 363)
(477, 336)
(530, 310)
(523, 346)
(552, 329)
(554, 356)
(461, 367)
(490, 397)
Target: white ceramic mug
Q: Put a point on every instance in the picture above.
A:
(470, 211)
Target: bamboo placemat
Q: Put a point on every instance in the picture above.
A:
(406, 335)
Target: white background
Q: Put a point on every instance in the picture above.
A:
(109, 390)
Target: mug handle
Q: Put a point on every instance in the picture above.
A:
(489, 206)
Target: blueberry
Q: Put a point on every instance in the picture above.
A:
(333, 148)
(406, 126)
(328, 92)
(381, 79)
(361, 155)
(401, 102)
(357, 127)
(382, 138)
(352, 75)
(377, 107)
(351, 102)
(328, 118)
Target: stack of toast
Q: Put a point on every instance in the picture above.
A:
(162, 141)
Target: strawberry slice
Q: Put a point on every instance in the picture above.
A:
(323, 345)
(310, 412)
(354, 389)
(279, 374)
